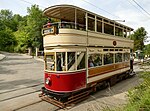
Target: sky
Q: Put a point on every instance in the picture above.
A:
(127, 10)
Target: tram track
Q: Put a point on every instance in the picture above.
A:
(19, 95)
(20, 101)
(22, 88)
(8, 95)
(27, 105)
(36, 103)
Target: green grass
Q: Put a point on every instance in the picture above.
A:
(139, 97)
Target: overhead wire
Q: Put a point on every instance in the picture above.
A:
(141, 7)
(137, 8)
(101, 9)
(82, 0)
(32, 3)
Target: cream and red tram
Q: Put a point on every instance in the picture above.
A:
(83, 50)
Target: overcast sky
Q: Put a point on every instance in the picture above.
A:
(126, 10)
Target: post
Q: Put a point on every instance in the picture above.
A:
(95, 23)
(126, 32)
(29, 51)
(86, 64)
(129, 32)
(86, 18)
(114, 29)
(123, 32)
(102, 25)
(75, 18)
(37, 50)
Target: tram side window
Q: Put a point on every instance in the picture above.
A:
(108, 58)
(95, 60)
(50, 62)
(71, 61)
(60, 58)
(126, 56)
(91, 24)
(80, 60)
(118, 57)
(118, 31)
(99, 26)
(108, 29)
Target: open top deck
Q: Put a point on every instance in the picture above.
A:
(75, 26)
(78, 15)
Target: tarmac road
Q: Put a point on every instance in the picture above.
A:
(21, 78)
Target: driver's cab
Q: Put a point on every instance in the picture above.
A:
(69, 60)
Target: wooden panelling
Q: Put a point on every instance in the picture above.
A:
(107, 68)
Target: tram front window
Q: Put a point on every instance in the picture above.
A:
(71, 61)
(49, 62)
(60, 64)
(65, 61)
(80, 60)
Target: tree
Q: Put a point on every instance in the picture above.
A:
(139, 36)
(6, 18)
(22, 36)
(24, 32)
(35, 21)
(7, 38)
(29, 30)
(16, 19)
(147, 50)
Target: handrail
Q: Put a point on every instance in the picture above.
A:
(70, 25)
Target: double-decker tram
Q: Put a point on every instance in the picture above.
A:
(83, 51)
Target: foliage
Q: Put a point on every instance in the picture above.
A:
(7, 38)
(139, 36)
(17, 33)
(29, 30)
(139, 96)
(147, 49)
(35, 20)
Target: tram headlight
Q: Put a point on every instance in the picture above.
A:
(47, 81)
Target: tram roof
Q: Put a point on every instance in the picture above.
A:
(67, 12)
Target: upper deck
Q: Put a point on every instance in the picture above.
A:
(76, 26)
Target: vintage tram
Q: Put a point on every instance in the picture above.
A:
(83, 51)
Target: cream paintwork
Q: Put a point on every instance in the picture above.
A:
(84, 38)
(107, 75)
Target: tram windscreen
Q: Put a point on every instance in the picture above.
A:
(71, 61)
(60, 64)
(49, 62)
(80, 60)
